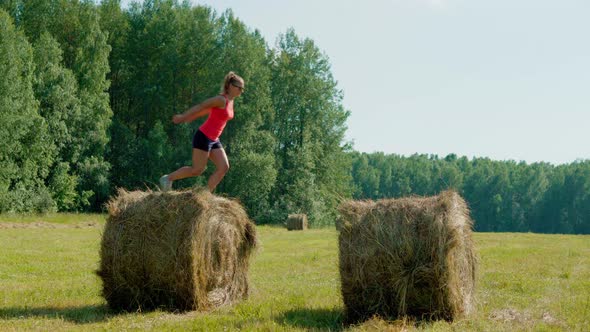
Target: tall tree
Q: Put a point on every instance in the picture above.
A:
(248, 138)
(26, 152)
(56, 89)
(90, 68)
(313, 170)
(75, 27)
(164, 70)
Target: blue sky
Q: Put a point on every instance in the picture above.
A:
(504, 79)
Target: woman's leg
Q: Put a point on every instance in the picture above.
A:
(219, 158)
(200, 158)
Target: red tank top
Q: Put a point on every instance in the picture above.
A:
(218, 118)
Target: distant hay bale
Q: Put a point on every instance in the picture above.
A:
(297, 222)
(175, 250)
(407, 257)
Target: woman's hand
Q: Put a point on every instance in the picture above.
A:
(178, 118)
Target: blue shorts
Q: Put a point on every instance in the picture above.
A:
(202, 142)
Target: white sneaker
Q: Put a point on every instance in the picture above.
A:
(165, 183)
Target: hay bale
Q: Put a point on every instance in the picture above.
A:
(175, 250)
(297, 222)
(407, 257)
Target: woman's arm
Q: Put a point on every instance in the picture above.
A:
(199, 110)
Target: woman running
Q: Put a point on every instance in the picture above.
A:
(206, 144)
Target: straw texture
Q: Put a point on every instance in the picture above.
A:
(407, 257)
(185, 250)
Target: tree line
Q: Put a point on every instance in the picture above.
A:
(88, 91)
(503, 196)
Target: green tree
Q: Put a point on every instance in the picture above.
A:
(367, 177)
(248, 137)
(75, 28)
(313, 170)
(56, 89)
(90, 68)
(502, 195)
(163, 70)
(26, 152)
(14, 9)
(530, 182)
(114, 21)
(175, 56)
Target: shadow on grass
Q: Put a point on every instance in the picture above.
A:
(78, 315)
(322, 319)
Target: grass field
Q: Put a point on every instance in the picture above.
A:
(527, 282)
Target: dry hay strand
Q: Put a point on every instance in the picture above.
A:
(297, 222)
(407, 257)
(179, 250)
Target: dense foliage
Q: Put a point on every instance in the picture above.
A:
(502, 195)
(88, 91)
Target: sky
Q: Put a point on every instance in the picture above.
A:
(503, 79)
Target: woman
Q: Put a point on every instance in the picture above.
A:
(206, 144)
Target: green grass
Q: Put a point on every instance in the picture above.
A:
(53, 218)
(526, 282)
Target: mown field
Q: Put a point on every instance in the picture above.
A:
(528, 282)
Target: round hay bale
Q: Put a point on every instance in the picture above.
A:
(407, 257)
(175, 250)
(297, 222)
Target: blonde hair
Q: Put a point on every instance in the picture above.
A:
(230, 78)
